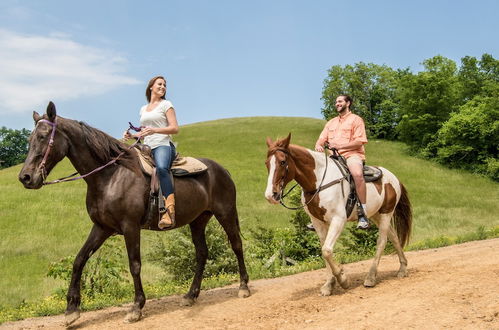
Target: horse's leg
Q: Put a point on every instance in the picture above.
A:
(392, 236)
(321, 230)
(198, 227)
(230, 224)
(384, 227)
(131, 233)
(334, 231)
(94, 241)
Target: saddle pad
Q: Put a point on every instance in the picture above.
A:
(146, 162)
(183, 166)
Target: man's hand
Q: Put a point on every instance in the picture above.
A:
(319, 148)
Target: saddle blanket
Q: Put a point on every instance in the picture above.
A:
(182, 166)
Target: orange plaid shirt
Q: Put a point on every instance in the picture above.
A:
(343, 130)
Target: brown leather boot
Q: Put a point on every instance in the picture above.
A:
(168, 218)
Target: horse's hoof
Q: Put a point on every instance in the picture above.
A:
(326, 291)
(402, 273)
(133, 316)
(344, 281)
(187, 302)
(327, 288)
(244, 293)
(369, 282)
(71, 317)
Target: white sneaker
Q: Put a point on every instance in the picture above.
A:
(363, 223)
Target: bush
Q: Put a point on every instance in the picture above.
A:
(470, 138)
(104, 273)
(176, 254)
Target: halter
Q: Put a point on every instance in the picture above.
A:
(70, 177)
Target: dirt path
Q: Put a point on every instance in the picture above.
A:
(452, 287)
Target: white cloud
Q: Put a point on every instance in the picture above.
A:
(35, 69)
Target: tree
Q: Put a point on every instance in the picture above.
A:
(13, 146)
(474, 74)
(470, 138)
(427, 100)
(372, 88)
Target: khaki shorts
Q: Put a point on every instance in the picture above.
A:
(355, 161)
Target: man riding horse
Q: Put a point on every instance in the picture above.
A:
(347, 134)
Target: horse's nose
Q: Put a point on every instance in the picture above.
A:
(24, 178)
(276, 196)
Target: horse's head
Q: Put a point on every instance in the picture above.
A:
(46, 149)
(280, 166)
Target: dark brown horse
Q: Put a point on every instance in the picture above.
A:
(117, 198)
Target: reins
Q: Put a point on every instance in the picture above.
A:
(71, 176)
(314, 192)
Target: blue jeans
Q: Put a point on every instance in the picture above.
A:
(163, 157)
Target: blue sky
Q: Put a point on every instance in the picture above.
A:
(221, 59)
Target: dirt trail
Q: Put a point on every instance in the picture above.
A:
(452, 287)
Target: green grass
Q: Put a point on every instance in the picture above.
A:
(42, 226)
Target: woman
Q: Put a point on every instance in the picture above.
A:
(158, 123)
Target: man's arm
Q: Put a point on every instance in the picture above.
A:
(319, 145)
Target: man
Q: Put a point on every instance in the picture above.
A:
(346, 133)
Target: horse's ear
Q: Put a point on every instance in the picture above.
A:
(269, 141)
(51, 113)
(36, 116)
(286, 141)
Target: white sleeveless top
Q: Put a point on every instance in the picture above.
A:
(156, 118)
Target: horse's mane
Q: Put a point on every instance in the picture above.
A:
(104, 147)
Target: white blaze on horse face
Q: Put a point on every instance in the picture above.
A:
(270, 184)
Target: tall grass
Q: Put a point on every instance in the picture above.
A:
(42, 226)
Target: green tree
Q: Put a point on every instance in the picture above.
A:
(474, 74)
(470, 138)
(427, 100)
(372, 88)
(13, 146)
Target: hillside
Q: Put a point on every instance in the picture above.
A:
(39, 227)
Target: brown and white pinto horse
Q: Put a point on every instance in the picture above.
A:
(387, 199)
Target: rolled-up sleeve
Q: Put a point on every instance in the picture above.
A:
(359, 130)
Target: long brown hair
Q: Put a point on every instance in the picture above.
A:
(149, 85)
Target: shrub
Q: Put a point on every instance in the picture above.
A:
(176, 254)
(104, 273)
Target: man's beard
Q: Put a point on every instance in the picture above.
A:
(342, 109)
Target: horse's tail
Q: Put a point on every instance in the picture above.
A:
(402, 218)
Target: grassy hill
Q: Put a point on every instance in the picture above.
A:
(42, 226)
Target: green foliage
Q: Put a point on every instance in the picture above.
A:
(372, 88)
(273, 246)
(13, 146)
(426, 101)
(176, 254)
(103, 273)
(470, 138)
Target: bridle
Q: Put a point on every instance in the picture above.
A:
(71, 177)
(51, 143)
(314, 192)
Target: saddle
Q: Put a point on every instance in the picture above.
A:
(371, 174)
(181, 166)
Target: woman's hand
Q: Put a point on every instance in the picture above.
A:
(127, 135)
(146, 131)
